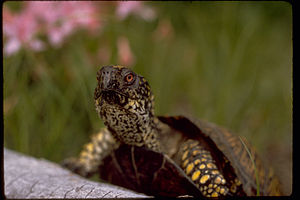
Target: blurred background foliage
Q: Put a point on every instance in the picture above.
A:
(226, 62)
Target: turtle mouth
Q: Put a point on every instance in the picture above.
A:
(114, 97)
(112, 92)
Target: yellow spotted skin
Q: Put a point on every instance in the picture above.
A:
(199, 165)
(101, 145)
(218, 163)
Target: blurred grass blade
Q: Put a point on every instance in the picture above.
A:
(252, 160)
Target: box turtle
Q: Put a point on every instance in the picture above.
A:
(165, 155)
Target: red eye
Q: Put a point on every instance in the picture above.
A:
(129, 78)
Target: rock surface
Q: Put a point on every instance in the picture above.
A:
(28, 177)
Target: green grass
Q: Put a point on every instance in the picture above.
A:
(226, 62)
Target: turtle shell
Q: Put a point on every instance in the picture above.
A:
(146, 171)
(231, 154)
(159, 174)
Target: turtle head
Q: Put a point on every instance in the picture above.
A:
(120, 87)
(124, 102)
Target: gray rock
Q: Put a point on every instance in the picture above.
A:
(28, 177)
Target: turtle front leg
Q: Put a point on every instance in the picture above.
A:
(101, 145)
(199, 165)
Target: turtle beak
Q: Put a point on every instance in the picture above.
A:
(105, 84)
(108, 80)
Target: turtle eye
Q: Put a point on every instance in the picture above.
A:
(129, 78)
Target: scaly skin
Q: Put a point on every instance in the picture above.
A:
(89, 159)
(124, 102)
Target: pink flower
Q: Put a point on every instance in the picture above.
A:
(63, 18)
(125, 54)
(56, 19)
(59, 19)
(20, 30)
(125, 8)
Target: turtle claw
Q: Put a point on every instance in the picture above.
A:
(74, 165)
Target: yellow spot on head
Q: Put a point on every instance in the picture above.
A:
(204, 178)
(130, 103)
(118, 66)
(196, 175)
(189, 168)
